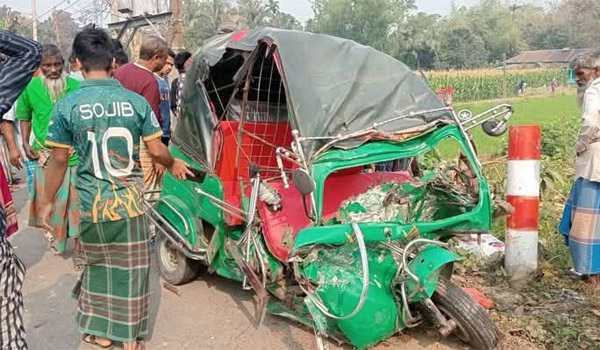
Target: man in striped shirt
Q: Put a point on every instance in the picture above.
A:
(22, 59)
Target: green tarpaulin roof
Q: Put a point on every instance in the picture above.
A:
(334, 86)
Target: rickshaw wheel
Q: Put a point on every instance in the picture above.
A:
(473, 324)
(175, 268)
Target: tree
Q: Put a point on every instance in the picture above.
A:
(202, 19)
(417, 41)
(65, 29)
(578, 20)
(9, 19)
(368, 22)
(15, 21)
(277, 19)
(96, 12)
(255, 12)
(462, 48)
(284, 21)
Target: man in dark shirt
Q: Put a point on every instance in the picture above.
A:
(180, 64)
(23, 58)
(162, 78)
(139, 77)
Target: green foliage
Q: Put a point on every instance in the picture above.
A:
(9, 19)
(469, 37)
(429, 160)
(528, 110)
(59, 28)
(558, 137)
(205, 18)
(463, 48)
(201, 20)
(368, 22)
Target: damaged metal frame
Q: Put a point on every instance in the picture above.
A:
(391, 266)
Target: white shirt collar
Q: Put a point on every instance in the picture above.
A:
(139, 65)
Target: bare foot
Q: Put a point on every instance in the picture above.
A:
(138, 345)
(104, 342)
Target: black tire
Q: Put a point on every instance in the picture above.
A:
(175, 268)
(473, 324)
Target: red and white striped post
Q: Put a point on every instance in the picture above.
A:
(523, 192)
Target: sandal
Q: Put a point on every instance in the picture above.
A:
(51, 244)
(78, 262)
(91, 341)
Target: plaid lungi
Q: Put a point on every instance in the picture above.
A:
(113, 291)
(30, 166)
(65, 219)
(580, 225)
(152, 182)
(12, 274)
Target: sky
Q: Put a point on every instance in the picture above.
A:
(299, 8)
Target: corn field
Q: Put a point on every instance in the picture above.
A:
(487, 84)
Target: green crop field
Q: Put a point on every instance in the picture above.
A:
(485, 84)
(528, 110)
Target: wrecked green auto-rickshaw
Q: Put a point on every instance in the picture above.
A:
(328, 180)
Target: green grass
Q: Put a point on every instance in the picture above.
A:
(528, 110)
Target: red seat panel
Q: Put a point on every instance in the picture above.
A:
(339, 187)
(280, 228)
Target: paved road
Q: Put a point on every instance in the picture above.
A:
(210, 313)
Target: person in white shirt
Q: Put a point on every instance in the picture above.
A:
(8, 131)
(75, 71)
(580, 223)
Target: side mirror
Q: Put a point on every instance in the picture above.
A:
(494, 127)
(303, 181)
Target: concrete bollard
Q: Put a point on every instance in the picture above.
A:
(523, 192)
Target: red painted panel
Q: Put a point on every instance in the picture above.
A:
(253, 149)
(338, 188)
(526, 214)
(281, 228)
(239, 36)
(524, 142)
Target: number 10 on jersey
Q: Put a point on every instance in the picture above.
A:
(116, 132)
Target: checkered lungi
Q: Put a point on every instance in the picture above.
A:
(580, 225)
(12, 274)
(65, 219)
(30, 166)
(113, 291)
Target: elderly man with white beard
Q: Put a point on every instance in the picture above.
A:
(34, 111)
(580, 223)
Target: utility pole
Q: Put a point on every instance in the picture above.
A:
(34, 17)
(504, 78)
(56, 27)
(514, 9)
(177, 25)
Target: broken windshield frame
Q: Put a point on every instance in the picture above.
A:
(377, 152)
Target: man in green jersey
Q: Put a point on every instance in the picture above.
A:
(34, 110)
(105, 122)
